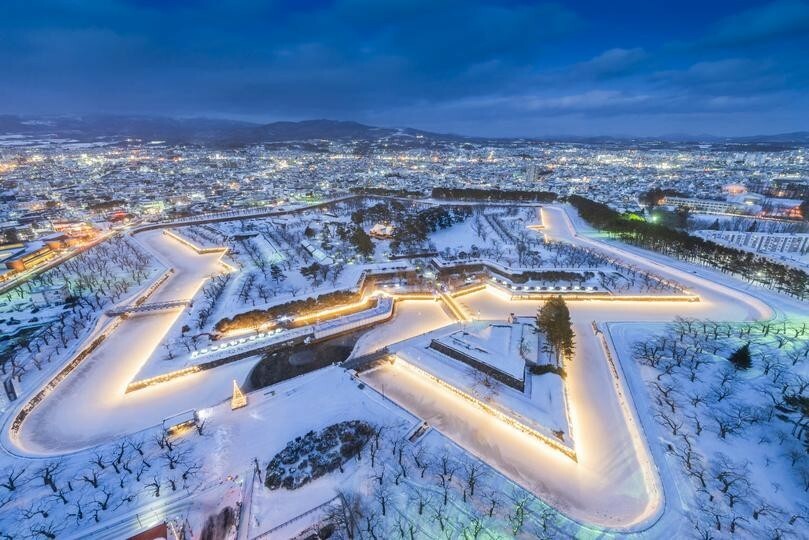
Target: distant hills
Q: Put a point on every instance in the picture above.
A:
(801, 137)
(92, 128)
(198, 130)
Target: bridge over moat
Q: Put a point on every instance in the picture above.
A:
(151, 307)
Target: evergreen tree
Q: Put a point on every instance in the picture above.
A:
(553, 319)
(276, 273)
(741, 357)
(681, 244)
(362, 242)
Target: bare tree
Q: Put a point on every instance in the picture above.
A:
(445, 474)
(154, 485)
(473, 470)
(670, 422)
(12, 478)
(46, 529)
(383, 497)
(517, 518)
(98, 460)
(137, 445)
(77, 510)
(90, 477)
(439, 515)
(421, 498)
(38, 508)
(102, 500)
(48, 473)
(730, 474)
(421, 460)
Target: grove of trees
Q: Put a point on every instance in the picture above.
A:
(683, 245)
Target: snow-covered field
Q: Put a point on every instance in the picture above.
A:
(496, 345)
(540, 407)
(607, 486)
(729, 434)
(623, 478)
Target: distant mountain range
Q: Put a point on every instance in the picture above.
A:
(198, 130)
(235, 133)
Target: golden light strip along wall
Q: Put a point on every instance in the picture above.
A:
(189, 243)
(468, 290)
(521, 295)
(45, 390)
(143, 383)
(453, 307)
(413, 296)
(569, 452)
(334, 311)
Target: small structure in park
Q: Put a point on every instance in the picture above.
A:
(238, 400)
(382, 230)
(180, 423)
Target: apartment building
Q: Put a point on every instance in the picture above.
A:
(762, 242)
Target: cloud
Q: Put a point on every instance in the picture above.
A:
(414, 49)
(781, 19)
(413, 62)
(595, 101)
(729, 76)
(612, 63)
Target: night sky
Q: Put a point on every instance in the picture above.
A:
(474, 67)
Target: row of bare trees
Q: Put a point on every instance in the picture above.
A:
(43, 499)
(87, 283)
(414, 491)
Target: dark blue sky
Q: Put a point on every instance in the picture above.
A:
(478, 67)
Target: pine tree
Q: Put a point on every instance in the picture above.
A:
(362, 242)
(741, 357)
(276, 273)
(553, 319)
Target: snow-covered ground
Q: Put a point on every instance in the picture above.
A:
(610, 485)
(64, 422)
(544, 411)
(494, 344)
(263, 428)
(617, 483)
(736, 460)
(621, 479)
(411, 318)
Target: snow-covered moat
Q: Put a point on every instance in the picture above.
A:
(91, 405)
(620, 479)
